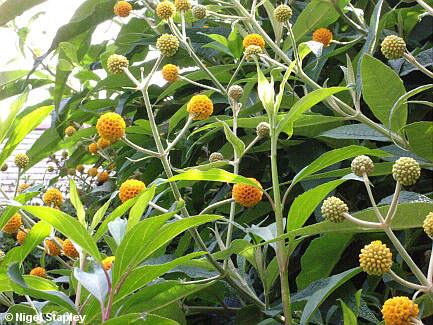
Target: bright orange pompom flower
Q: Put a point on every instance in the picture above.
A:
(247, 195)
(21, 235)
(53, 196)
(103, 177)
(51, 247)
(170, 72)
(92, 172)
(323, 35)
(111, 126)
(103, 143)
(107, 263)
(399, 311)
(13, 224)
(122, 9)
(93, 148)
(200, 106)
(253, 39)
(39, 271)
(69, 248)
(130, 189)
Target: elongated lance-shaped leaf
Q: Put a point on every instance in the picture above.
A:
(137, 210)
(266, 91)
(7, 124)
(237, 143)
(304, 104)
(68, 226)
(76, 202)
(46, 292)
(97, 217)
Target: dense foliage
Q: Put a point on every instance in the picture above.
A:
(283, 174)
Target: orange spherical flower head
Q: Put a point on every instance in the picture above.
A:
(39, 271)
(130, 189)
(69, 249)
(323, 35)
(122, 9)
(92, 172)
(93, 148)
(247, 195)
(200, 106)
(23, 187)
(399, 311)
(170, 72)
(107, 262)
(111, 126)
(182, 5)
(52, 248)
(69, 131)
(13, 224)
(80, 168)
(165, 10)
(53, 197)
(103, 177)
(103, 143)
(253, 39)
(21, 235)
(375, 258)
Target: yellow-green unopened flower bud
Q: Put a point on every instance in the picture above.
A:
(333, 209)
(182, 5)
(428, 225)
(50, 169)
(362, 164)
(235, 92)
(406, 171)
(165, 10)
(375, 258)
(4, 167)
(283, 13)
(199, 11)
(251, 51)
(393, 47)
(167, 44)
(2, 254)
(21, 160)
(263, 129)
(116, 63)
(215, 156)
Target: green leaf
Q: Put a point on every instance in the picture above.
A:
(138, 208)
(237, 143)
(14, 8)
(334, 156)
(420, 136)
(18, 254)
(219, 38)
(320, 295)
(403, 100)
(6, 126)
(68, 226)
(235, 43)
(330, 245)
(118, 212)
(355, 131)
(94, 281)
(143, 275)
(76, 202)
(88, 15)
(349, 316)
(318, 13)
(150, 235)
(266, 91)
(304, 205)
(38, 288)
(159, 295)
(23, 127)
(215, 175)
(381, 88)
(11, 210)
(140, 319)
(302, 105)
(97, 217)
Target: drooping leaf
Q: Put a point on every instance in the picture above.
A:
(76, 202)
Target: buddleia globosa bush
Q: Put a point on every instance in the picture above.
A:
(268, 155)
